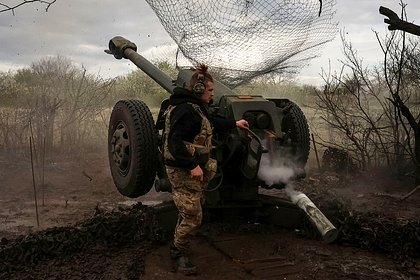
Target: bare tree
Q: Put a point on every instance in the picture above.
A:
(12, 121)
(397, 65)
(40, 107)
(79, 95)
(56, 103)
(12, 7)
(352, 105)
(373, 108)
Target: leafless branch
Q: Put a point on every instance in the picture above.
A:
(5, 8)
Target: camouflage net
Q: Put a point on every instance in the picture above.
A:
(244, 39)
(337, 160)
(398, 238)
(133, 226)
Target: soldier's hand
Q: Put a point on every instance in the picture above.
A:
(197, 173)
(242, 124)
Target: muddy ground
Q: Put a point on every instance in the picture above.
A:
(87, 230)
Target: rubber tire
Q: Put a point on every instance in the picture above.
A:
(132, 148)
(294, 122)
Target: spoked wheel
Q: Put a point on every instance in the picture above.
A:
(297, 142)
(293, 150)
(132, 148)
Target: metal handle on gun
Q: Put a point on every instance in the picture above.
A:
(253, 134)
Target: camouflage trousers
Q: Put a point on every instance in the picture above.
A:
(187, 193)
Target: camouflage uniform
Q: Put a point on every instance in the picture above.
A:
(187, 192)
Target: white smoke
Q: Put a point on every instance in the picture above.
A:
(277, 165)
(292, 193)
(275, 169)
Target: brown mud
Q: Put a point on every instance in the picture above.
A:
(87, 230)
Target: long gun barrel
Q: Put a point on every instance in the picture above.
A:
(123, 48)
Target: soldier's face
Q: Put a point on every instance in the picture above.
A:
(208, 93)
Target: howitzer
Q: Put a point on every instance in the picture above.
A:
(277, 130)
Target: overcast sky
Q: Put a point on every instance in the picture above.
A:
(81, 29)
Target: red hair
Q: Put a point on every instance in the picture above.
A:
(200, 69)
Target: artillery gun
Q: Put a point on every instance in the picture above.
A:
(277, 129)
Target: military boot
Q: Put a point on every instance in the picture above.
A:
(181, 263)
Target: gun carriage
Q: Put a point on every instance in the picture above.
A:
(277, 130)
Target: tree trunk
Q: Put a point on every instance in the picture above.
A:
(417, 154)
(49, 133)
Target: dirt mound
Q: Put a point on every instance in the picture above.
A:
(125, 227)
(89, 231)
(386, 232)
(137, 227)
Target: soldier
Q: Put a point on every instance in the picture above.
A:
(187, 145)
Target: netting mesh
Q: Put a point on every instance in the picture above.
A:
(244, 39)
